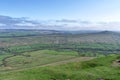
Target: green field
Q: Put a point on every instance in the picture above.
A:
(37, 55)
(99, 68)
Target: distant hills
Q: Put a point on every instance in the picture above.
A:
(59, 31)
(63, 36)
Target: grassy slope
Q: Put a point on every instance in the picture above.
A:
(36, 58)
(3, 56)
(96, 69)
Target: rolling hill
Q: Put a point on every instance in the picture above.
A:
(35, 54)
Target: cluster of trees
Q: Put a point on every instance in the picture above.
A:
(80, 48)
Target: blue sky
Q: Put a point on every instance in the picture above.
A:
(100, 11)
(94, 10)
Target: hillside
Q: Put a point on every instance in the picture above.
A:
(26, 37)
(60, 40)
(35, 54)
(97, 69)
(17, 41)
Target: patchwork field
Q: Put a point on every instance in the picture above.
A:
(52, 55)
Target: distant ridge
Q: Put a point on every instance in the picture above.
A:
(43, 31)
(109, 32)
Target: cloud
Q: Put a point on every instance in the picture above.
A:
(2, 24)
(67, 21)
(7, 22)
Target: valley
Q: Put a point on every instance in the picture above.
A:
(24, 52)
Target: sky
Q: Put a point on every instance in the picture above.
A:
(79, 14)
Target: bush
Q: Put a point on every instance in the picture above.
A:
(90, 64)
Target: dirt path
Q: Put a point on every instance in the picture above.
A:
(78, 59)
(116, 63)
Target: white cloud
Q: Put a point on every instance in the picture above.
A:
(25, 24)
(1, 24)
(63, 24)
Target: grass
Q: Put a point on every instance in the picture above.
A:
(96, 69)
(2, 56)
(62, 47)
(72, 53)
(38, 58)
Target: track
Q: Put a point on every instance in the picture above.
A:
(78, 59)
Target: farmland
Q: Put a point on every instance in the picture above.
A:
(62, 53)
